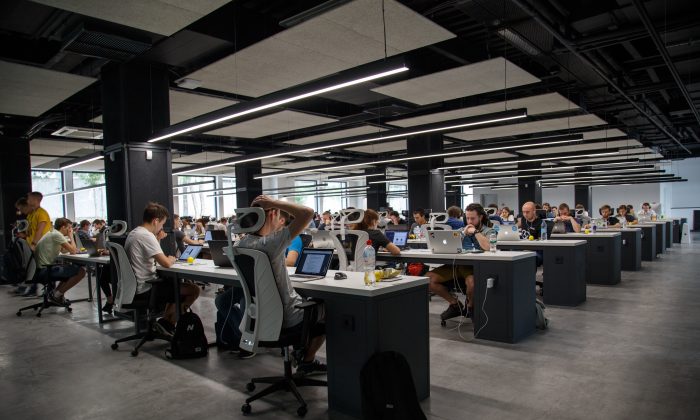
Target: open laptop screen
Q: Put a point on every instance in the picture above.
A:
(400, 238)
(190, 251)
(207, 236)
(314, 261)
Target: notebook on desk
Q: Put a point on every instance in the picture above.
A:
(313, 264)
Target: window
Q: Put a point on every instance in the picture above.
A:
(308, 198)
(193, 203)
(47, 182)
(230, 202)
(398, 200)
(334, 204)
(467, 195)
(91, 203)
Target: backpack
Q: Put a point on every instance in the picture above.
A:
(387, 388)
(416, 269)
(189, 340)
(541, 322)
(16, 262)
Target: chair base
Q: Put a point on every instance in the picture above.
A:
(148, 335)
(45, 303)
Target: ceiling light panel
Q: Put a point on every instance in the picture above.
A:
(164, 17)
(541, 126)
(267, 125)
(310, 50)
(203, 157)
(582, 146)
(472, 79)
(535, 105)
(385, 147)
(31, 91)
(349, 132)
(488, 156)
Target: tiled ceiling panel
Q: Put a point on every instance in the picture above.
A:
(583, 146)
(267, 125)
(382, 147)
(531, 127)
(312, 49)
(348, 132)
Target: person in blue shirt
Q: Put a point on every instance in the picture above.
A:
(454, 220)
(291, 255)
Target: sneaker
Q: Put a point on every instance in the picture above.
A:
(60, 301)
(245, 354)
(306, 368)
(468, 312)
(164, 327)
(107, 307)
(29, 291)
(17, 290)
(452, 311)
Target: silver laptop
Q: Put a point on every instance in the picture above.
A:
(508, 233)
(445, 241)
(191, 251)
(313, 264)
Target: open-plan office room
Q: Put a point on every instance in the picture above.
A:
(376, 209)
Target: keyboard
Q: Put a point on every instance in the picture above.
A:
(304, 277)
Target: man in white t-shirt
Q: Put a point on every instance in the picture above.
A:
(273, 239)
(143, 250)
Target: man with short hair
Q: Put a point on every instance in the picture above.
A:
(529, 221)
(570, 223)
(97, 226)
(606, 213)
(325, 220)
(84, 231)
(38, 218)
(622, 213)
(182, 240)
(454, 220)
(646, 212)
(273, 241)
(584, 218)
(419, 218)
(395, 218)
(48, 249)
(143, 249)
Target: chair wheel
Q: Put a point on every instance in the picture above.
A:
(301, 411)
(38, 314)
(250, 386)
(245, 408)
(69, 309)
(19, 313)
(115, 346)
(134, 353)
(443, 323)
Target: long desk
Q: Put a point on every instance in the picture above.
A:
(648, 241)
(508, 304)
(631, 247)
(603, 255)
(669, 233)
(564, 268)
(84, 259)
(660, 235)
(359, 322)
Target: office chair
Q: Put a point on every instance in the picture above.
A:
(43, 277)
(124, 299)
(261, 326)
(305, 240)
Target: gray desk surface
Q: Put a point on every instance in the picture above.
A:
(585, 236)
(542, 244)
(84, 258)
(619, 229)
(427, 255)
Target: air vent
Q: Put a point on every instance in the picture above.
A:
(78, 133)
(98, 44)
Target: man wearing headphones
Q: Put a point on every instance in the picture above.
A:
(606, 212)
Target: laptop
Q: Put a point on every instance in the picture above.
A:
(191, 251)
(397, 237)
(216, 248)
(401, 227)
(313, 264)
(90, 249)
(445, 241)
(508, 233)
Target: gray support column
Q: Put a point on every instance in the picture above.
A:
(582, 195)
(247, 188)
(529, 188)
(15, 181)
(135, 104)
(69, 198)
(426, 184)
(219, 183)
(376, 194)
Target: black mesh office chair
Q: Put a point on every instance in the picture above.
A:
(43, 277)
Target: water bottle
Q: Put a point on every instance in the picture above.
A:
(493, 239)
(543, 231)
(368, 263)
(594, 227)
(416, 231)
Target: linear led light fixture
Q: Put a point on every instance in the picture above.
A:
(281, 98)
(516, 171)
(333, 178)
(91, 187)
(81, 160)
(444, 126)
(608, 179)
(191, 184)
(554, 170)
(389, 181)
(611, 181)
(323, 184)
(577, 176)
(563, 157)
(505, 187)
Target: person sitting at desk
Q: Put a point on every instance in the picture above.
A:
(325, 220)
(97, 226)
(646, 212)
(570, 223)
(584, 218)
(273, 238)
(143, 250)
(453, 218)
(200, 227)
(395, 218)
(369, 224)
(47, 250)
(606, 213)
(419, 220)
(622, 213)
(506, 216)
(181, 239)
(84, 232)
(532, 225)
(476, 235)
(291, 255)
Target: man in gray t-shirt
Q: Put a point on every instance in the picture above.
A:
(273, 239)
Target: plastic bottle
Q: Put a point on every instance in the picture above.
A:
(543, 231)
(493, 240)
(416, 232)
(594, 227)
(368, 263)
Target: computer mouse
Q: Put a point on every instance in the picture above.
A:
(340, 276)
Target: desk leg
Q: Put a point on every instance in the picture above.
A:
(178, 309)
(89, 298)
(100, 317)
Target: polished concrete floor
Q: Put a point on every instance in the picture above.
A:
(630, 352)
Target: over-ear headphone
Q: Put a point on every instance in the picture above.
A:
(604, 206)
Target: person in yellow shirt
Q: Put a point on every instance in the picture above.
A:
(38, 218)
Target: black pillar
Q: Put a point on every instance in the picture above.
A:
(426, 184)
(453, 197)
(15, 181)
(529, 188)
(135, 104)
(376, 194)
(247, 188)
(582, 195)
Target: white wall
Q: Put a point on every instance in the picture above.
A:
(625, 194)
(556, 196)
(683, 197)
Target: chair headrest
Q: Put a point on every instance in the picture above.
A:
(353, 215)
(22, 225)
(439, 217)
(118, 228)
(256, 215)
(490, 211)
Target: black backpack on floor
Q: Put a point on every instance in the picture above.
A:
(388, 391)
(16, 262)
(189, 341)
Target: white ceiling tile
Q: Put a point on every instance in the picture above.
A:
(382, 147)
(486, 156)
(31, 91)
(472, 79)
(583, 146)
(59, 148)
(530, 127)
(267, 125)
(310, 50)
(641, 153)
(536, 105)
(601, 134)
(348, 132)
(164, 17)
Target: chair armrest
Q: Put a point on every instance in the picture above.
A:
(306, 305)
(154, 281)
